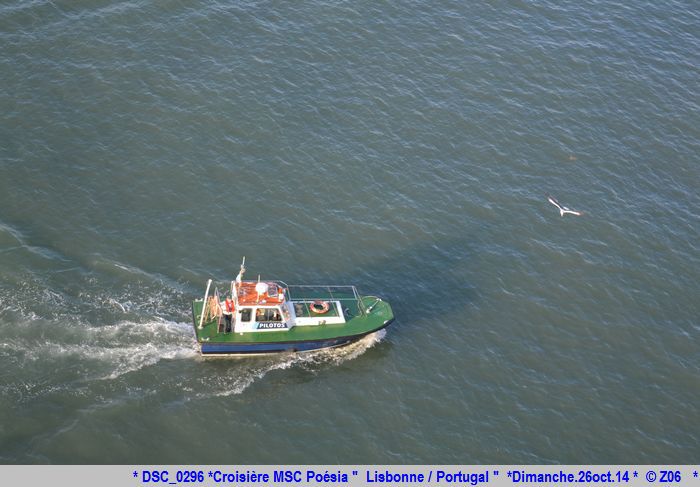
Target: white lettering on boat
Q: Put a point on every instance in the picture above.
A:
(268, 325)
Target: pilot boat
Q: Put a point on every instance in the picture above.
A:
(271, 316)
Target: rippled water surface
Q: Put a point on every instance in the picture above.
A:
(404, 147)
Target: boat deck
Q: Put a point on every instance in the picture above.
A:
(358, 322)
(302, 297)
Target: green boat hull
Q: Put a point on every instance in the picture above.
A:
(369, 316)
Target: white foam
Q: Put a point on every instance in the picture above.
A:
(113, 350)
(131, 359)
(133, 346)
(232, 385)
(107, 352)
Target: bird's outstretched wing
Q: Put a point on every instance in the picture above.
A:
(554, 202)
(563, 210)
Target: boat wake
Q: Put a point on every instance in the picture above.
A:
(90, 337)
(104, 352)
(128, 347)
(337, 356)
(253, 369)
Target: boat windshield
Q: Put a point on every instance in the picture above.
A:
(268, 314)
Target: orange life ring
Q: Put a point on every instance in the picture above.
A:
(319, 307)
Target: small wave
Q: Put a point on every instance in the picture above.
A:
(131, 359)
(108, 352)
(13, 232)
(87, 300)
(227, 386)
(129, 346)
(337, 356)
(108, 264)
(21, 241)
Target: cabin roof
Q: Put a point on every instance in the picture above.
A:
(248, 296)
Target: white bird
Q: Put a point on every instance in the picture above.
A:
(563, 210)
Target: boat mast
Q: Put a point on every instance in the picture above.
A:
(237, 285)
(204, 303)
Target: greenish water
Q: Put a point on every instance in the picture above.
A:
(406, 148)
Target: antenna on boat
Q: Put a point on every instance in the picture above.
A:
(237, 283)
(239, 277)
(204, 303)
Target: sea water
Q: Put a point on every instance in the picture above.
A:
(407, 148)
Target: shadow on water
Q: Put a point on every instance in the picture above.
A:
(417, 281)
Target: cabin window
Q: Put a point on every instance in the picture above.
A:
(268, 314)
(245, 314)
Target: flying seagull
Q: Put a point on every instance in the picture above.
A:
(563, 210)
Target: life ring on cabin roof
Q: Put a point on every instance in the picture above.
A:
(319, 307)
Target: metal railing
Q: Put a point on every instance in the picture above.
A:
(324, 292)
(308, 293)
